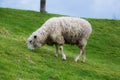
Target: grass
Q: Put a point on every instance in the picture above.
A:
(19, 63)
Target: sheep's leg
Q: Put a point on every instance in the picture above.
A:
(83, 56)
(79, 54)
(63, 55)
(56, 53)
(82, 45)
(83, 53)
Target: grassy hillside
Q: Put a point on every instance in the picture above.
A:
(19, 63)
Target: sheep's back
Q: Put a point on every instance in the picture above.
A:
(72, 29)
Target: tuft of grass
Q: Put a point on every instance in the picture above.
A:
(19, 63)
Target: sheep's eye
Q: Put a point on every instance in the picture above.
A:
(30, 41)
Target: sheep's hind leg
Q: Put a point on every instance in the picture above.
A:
(83, 56)
(78, 56)
(82, 51)
(63, 55)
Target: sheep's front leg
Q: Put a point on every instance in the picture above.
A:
(56, 53)
(63, 55)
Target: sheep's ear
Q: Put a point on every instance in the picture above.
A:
(35, 37)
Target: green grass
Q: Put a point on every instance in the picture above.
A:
(19, 63)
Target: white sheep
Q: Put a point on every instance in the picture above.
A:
(59, 30)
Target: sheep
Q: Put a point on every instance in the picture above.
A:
(62, 30)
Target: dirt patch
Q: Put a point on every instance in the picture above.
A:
(4, 31)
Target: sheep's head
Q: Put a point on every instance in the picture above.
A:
(33, 42)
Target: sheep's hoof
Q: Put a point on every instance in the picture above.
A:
(75, 60)
(64, 59)
(56, 55)
(83, 61)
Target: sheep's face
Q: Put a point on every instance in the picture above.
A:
(32, 42)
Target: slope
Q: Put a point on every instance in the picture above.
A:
(19, 63)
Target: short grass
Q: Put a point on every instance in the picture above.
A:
(19, 63)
